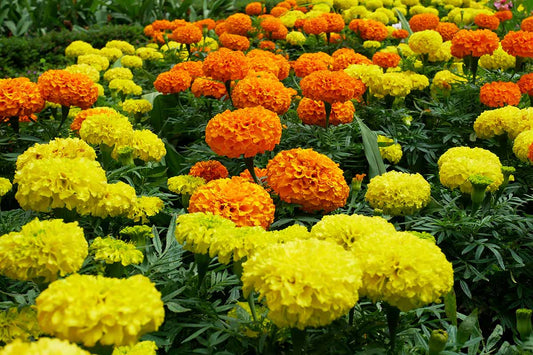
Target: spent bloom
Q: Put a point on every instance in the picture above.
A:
(18, 323)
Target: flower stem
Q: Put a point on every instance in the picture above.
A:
(64, 115)
(393, 319)
(327, 106)
(202, 263)
(249, 161)
(298, 341)
(251, 303)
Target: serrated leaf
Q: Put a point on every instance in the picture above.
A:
(371, 148)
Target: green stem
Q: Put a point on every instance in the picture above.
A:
(249, 161)
(227, 84)
(251, 303)
(393, 319)
(327, 106)
(351, 315)
(202, 264)
(474, 64)
(115, 270)
(298, 341)
(14, 122)
(64, 115)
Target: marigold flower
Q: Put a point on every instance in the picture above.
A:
(527, 24)
(521, 145)
(421, 22)
(145, 206)
(314, 112)
(234, 42)
(187, 34)
(91, 309)
(530, 154)
(86, 69)
(443, 81)
(344, 57)
(475, 43)
(147, 53)
(112, 250)
(309, 179)
(118, 73)
(126, 87)
(278, 11)
(256, 56)
(19, 97)
(392, 151)
(459, 163)
(517, 121)
(499, 93)
(369, 30)
(43, 346)
(490, 22)
(425, 42)
(124, 46)
(196, 231)
(43, 250)
(67, 89)
(82, 115)
(5, 186)
(308, 63)
(205, 23)
(193, 68)
(173, 81)
(255, 8)
(18, 324)
(255, 91)
(185, 184)
(335, 22)
(77, 48)
(490, 123)
(209, 88)
(131, 61)
(146, 145)
(386, 60)
(243, 202)
(296, 38)
(238, 24)
(331, 87)
(115, 200)
(98, 61)
(403, 270)
(499, 59)
(105, 128)
(136, 106)
(525, 83)
(315, 26)
(248, 131)
(400, 34)
(447, 30)
(305, 283)
(518, 44)
(225, 65)
(111, 54)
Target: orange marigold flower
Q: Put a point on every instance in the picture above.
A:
(194, 68)
(68, 89)
(369, 30)
(285, 4)
(163, 25)
(258, 55)
(280, 34)
(187, 34)
(504, 15)
(256, 91)
(400, 34)
(475, 43)
(336, 38)
(208, 23)
(225, 65)
(19, 97)
(490, 22)
(315, 26)
(530, 153)
(243, 202)
(386, 60)
(447, 30)
(335, 22)
(308, 63)
(314, 112)
(344, 57)
(220, 28)
(526, 84)
(173, 81)
(260, 63)
(499, 94)
(527, 24)
(254, 9)
(421, 22)
(234, 42)
(238, 24)
(248, 131)
(328, 86)
(82, 116)
(209, 170)
(309, 179)
(271, 24)
(518, 43)
(261, 175)
(299, 23)
(267, 45)
(203, 86)
(278, 11)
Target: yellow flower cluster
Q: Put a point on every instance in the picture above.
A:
(289, 18)
(116, 200)
(492, 123)
(144, 207)
(99, 62)
(135, 106)
(370, 75)
(185, 184)
(142, 348)
(125, 86)
(86, 69)
(459, 163)
(90, 309)
(393, 84)
(77, 48)
(43, 346)
(109, 129)
(398, 194)
(295, 38)
(124, 46)
(305, 283)
(43, 250)
(403, 270)
(443, 81)
(345, 4)
(18, 324)
(345, 230)
(425, 42)
(131, 61)
(521, 145)
(146, 53)
(518, 123)
(443, 54)
(112, 250)
(111, 53)
(499, 59)
(147, 146)
(390, 150)
(118, 73)
(5, 186)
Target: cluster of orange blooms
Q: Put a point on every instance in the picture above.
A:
(447, 30)
(311, 62)
(490, 22)
(225, 65)
(173, 81)
(499, 94)
(475, 43)
(344, 57)
(386, 60)
(369, 30)
(314, 112)
(178, 30)
(525, 83)
(421, 22)
(518, 43)
(67, 89)
(20, 98)
(209, 170)
(332, 86)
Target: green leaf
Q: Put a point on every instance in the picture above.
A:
(404, 22)
(162, 106)
(466, 328)
(176, 308)
(450, 306)
(173, 159)
(370, 144)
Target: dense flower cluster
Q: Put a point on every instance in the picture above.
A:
(173, 81)
(499, 94)
(309, 179)
(209, 170)
(518, 43)
(136, 106)
(492, 123)
(209, 88)
(185, 184)
(5, 186)
(525, 83)
(18, 324)
(195, 231)
(99, 62)
(118, 73)
(308, 63)
(421, 22)
(390, 150)
(125, 86)
(328, 86)
(314, 112)
(425, 42)
(90, 309)
(86, 69)
(43, 250)
(257, 91)
(143, 348)
(499, 59)
(474, 43)
(67, 89)
(109, 129)
(19, 97)
(521, 145)
(112, 250)
(225, 65)
(43, 346)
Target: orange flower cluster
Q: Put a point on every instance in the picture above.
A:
(220, 28)
(475, 43)
(248, 131)
(203, 86)
(530, 153)
(187, 34)
(421, 22)
(159, 28)
(225, 65)
(525, 83)
(308, 63)
(489, 22)
(504, 15)
(256, 91)
(243, 202)
(527, 24)
(68, 89)
(400, 34)
(315, 26)
(369, 30)
(193, 68)
(209, 170)
(19, 97)
(518, 43)
(324, 85)
(261, 175)
(314, 112)
(173, 81)
(205, 23)
(447, 30)
(274, 28)
(278, 11)
(344, 57)
(257, 56)
(82, 116)
(234, 42)
(335, 22)
(255, 9)
(386, 60)
(309, 179)
(238, 24)
(499, 94)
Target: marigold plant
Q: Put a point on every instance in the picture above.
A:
(173, 81)
(499, 93)
(426, 21)
(255, 91)
(225, 65)
(327, 86)
(19, 97)
(67, 89)
(209, 170)
(474, 43)
(314, 112)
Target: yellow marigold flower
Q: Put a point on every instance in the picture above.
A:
(116, 200)
(77, 48)
(113, 250)
(75, 184)
(137, 232)
(145, 206)
(239, 243)
(118, 73)
(345, 4)
(111, 53)
(18, 324)
(134, 106)
(142, 348)
(393, 84)
(43, 346)
(354, 12)
(146, 53)
(517, 123)
(90, 309)
(459, 163)
(101, 91)
(195, 231)
(371, 44)
(5, 186)
(390, 150)
(370, 75)
(490, 123)
(499, 59)
(124, 46)
(42, 250)
(418, 81)
(111, 130)
(86, 69)
(373, 4)
(295, 38)
(425, 42)
(443, 81)
(443, 54)
(398, 194)
(147, 146)
(294, 232)
(185, 184)
(127, 87)
(289, 18)
(345, 230)
(403, 270)
(97, 61)
(131, 61)
(378, 16)
(521, 145)
(305, 283)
